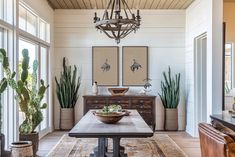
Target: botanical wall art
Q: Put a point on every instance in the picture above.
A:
(105, 65)
(135, 65)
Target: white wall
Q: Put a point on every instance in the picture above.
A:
(204, 16)
(46, 13)
(163, 31)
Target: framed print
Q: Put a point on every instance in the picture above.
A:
(105, 66)
(134, 65)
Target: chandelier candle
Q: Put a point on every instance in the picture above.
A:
(120, 22)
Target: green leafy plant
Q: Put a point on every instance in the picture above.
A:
(28, 95)
(170, 90)
(67, 87)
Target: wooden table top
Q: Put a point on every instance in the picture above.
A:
(128, 126)
(226, 118)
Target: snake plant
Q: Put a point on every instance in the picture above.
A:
(28, 95)
(67, 87)
(170, 87)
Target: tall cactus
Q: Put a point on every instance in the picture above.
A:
(170, 90)
(27, 95)
(67, 87)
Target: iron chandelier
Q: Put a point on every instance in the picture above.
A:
(119, 22)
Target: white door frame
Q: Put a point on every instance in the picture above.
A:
(200, 80)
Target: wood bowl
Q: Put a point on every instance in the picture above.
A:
(118, 91)
(109, 118)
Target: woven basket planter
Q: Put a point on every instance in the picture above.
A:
(66, 118)
(22, 148)
(34, 138)
(171, 119)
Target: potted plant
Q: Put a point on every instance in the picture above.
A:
(170, 98)
(67, 94)
(28, 96)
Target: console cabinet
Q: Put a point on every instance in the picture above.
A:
(145, 105)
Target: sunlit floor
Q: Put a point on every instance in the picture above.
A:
(187, 143)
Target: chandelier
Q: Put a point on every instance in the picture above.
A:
(119, 22)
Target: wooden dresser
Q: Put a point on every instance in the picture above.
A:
(145, 105)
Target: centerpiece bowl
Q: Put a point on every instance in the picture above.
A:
(118, 91)
(109, 118)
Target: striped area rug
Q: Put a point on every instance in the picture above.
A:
(157, 146)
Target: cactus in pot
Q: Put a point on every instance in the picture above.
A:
(28, 96)
(170, 98)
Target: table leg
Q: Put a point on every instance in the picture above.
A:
(116, 147)
(101, 149)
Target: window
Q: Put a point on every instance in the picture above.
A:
(40, 53)
(44, 75)
(42, 30)
(8, 105)
(228, 67)
(1, 37)
(6, 11)
(34, 34)
(33, 24)
(1, 9)
(22, 17)
(27, 21)
(32, 48)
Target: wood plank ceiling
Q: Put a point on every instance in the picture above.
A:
(133, 4)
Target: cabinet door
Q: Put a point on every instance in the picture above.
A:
(141, 103)
(124, 102)
(94, 103)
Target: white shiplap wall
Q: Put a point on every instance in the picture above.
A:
(163, 31)
(204, 16)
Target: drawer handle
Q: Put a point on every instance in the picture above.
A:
(141, 101)
(119, 102)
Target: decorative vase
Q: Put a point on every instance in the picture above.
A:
(22, 148)
(171, 119)
(95, 89)
(34, 138)
(66, 118)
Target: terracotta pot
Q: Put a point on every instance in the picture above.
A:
(66, 118)
(171, 119)
(22, 148)
(34, 138)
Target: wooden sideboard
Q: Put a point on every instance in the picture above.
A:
(145, 105)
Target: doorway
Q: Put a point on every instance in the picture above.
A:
(200, 76)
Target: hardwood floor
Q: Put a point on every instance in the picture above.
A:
(187, 143)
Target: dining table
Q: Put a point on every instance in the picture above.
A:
(131, 126)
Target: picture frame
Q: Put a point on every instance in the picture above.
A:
(105, 65)
(134, 65)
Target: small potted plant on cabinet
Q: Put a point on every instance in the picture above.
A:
(67, 93)
(28, 96)
(170, 98)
